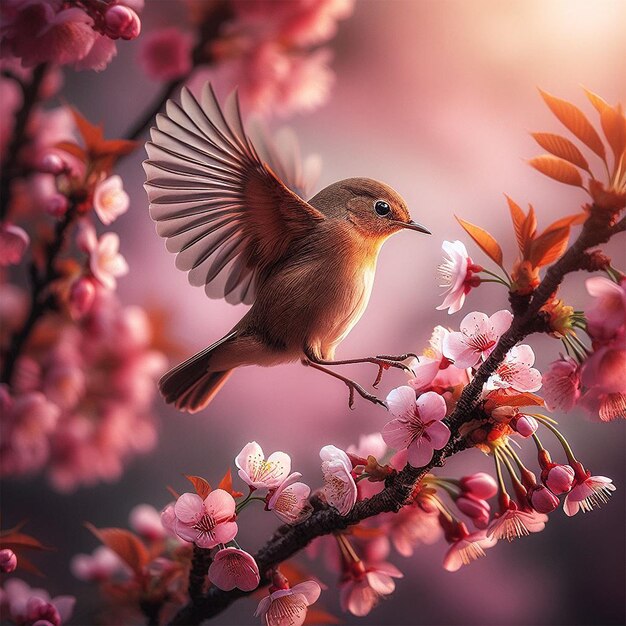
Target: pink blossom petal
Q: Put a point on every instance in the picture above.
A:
(420, 452)
(401, 401)
(381, 583)
(396, 434)
(425, 371)
(188, 507)
(439, 435)
(431, 406)
(220, 504)
(501, 321)
(309, 589)
(185, 531)
(232, 568)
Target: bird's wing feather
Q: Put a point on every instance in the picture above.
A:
(222, 209)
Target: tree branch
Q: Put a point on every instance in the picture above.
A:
(288, 540)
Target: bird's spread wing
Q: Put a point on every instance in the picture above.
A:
(223, 210)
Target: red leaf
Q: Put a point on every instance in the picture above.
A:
(125, 544)
(614, 127)
(574, 120)
(519, 217)
(558, 169)
(561, 147)
(599, 103)
(21, 540)
(485, 241)
(227, 485)
(202, 487)
(72, 148)
(529, 230)
(549, 246)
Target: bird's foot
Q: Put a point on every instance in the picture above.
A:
(352, 386)
(385, 361)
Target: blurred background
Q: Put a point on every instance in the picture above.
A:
(437, 99)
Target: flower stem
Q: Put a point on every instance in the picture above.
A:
(568, 450)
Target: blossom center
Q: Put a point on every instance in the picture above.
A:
(261, 470)
(205, 525)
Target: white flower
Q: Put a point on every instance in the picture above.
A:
(339, 486)
(257, 471)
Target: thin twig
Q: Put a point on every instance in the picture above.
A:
(288, 540)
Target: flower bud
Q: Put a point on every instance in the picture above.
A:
(56, 205)
(38, 609)
(52, 163)
(525, 425)
(8, 561)
(479, 485)
(477, 509)
(120, 21)
(82, 295)
(558, 478)
(504, 413)
(542, 499)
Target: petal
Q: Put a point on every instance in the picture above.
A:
(188, 507)
(389, 569)
(420, 452)
(571, 507)
(431, 406)
(425, 371)
(501, 321)
(397, 434)
(526, 379)
(185, 532)
(282, 462)
(251, 451)
(220, 504)
(225, 532)
(232, 568)
(332, 453)
(475, 323)
(381, 583)
(522, 354)
(309, 589)
(401, 401)
(439, 435)
(457, 350)
(264, 605)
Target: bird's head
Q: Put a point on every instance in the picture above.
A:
(372, 207)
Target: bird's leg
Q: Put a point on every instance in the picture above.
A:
(351, 384)
(384, 362)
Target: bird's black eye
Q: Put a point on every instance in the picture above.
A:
(381, 207)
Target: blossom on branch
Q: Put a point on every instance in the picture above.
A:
(457, 274)
(288, 604)
(233, 568)
(339, 487)
(261, 473)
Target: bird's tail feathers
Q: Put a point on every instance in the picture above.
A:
(191, 385)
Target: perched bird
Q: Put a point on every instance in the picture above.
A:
(306, 267)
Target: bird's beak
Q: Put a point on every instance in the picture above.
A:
(411, 225)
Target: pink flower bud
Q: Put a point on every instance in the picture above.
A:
(542, 499)
(82, 294)
(479, 485)
(120, 21)
(56, 205)
(525, 425)
(52, 163)
(38, 609)
(558, 478)
(475, 508)
(8, 561)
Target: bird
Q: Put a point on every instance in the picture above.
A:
(230, 210)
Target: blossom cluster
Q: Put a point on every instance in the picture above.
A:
(81, 33)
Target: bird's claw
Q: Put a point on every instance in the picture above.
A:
(384, 362)
(352, 386)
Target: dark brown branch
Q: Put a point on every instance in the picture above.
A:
(288, 540)
(10, 169)
(200, 562)
(41, 299)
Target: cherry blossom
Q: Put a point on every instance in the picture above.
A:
(417, 425)
(363, 586)
(479, 485)
(13, 243)
(206, 522)
(477, 337)
(25, 605)
(288, 606)
(475, 508)
(524, 425)
(467, 549)
(101, 565)
(232, 568)
(558, 478)
(339, 487)
(588, 493)
(514, 522)
(372, 444)
(290, 500)
(110, 200)
(412, 526)
(516, 371)
(145, 520)
(261, 473)
(542, 499)
(561, 384)
(105, 261)
(457, 276)
(606, 316)
(166, 54)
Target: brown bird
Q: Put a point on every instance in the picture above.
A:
(306, 267)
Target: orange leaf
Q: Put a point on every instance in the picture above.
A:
(90, 133)
(485, 241)
(502, 398)
(561, 147)
(519, 217)
(227, 485)
(599, 103)
(125, 544)
(202, 487)
(21, 540)
(528, 231)
(568, 220)
(73, 149)
(614, 127)
(549, 246)
(558, 169)
(574, 120)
